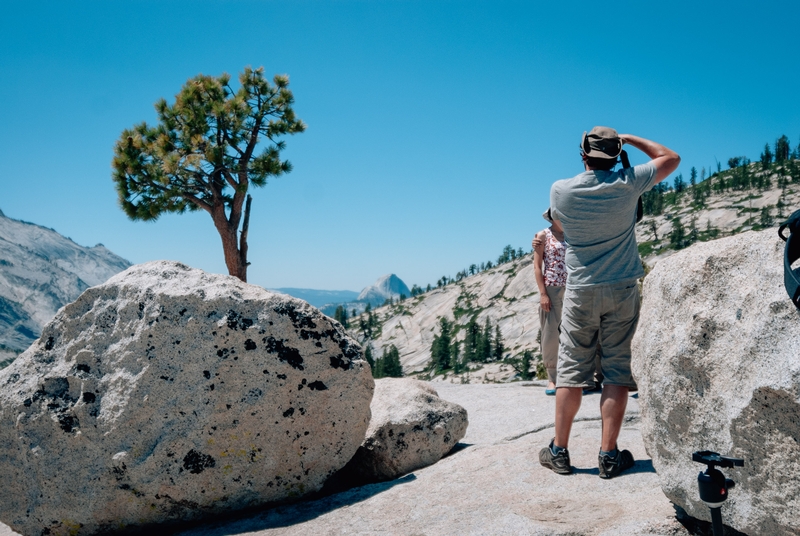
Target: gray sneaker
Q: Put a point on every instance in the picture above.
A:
(611, 467)
(557, 462)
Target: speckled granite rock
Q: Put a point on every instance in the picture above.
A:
(171, 394)
(717, 360)
(411, 427)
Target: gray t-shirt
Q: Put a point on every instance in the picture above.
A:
(598, 212)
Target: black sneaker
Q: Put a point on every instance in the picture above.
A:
(557, 462)
(611, 467)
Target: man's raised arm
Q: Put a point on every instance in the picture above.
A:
(666, 160)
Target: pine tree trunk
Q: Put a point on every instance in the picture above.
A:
(243, 264)
(230, 244)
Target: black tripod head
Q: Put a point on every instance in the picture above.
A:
(713, 484)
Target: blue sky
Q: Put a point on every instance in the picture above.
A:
(434, 128)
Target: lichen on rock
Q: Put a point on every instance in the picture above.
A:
(169, 394)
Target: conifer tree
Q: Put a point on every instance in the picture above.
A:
(654, 230)
(391, 363)
(766, 157)
(782, 149)
(679, 185)
(471, 341)
(455, 362)
(369, 358)
(693, 232)
(440, 348)
(721, 184)
(527, 360)
(485, 350)
(340, 315)
(765, 219)
(693, 176)
(499, 349)
(711, 231)
(678, 235)
(377, 372)
(205, 152)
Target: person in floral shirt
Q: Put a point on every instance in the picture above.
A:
(551, 278)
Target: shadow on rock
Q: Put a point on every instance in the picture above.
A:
(350, 477)
(698, 527)
(640, 466)
(294, 514)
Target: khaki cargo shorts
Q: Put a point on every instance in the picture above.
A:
(608, 313)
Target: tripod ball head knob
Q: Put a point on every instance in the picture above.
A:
(713, 484)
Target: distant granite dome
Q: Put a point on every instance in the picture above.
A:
(388, 286)
(40, 272)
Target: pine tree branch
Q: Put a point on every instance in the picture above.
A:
(230, 143)
(229, 178)
(199, 202)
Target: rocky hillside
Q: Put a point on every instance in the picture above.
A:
(40, 272)
(722, 212)
(507, 294)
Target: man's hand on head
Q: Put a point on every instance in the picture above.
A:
(665, 160)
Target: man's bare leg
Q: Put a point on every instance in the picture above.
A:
(612, 410)
(568, 402)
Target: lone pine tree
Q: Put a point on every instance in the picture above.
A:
(205, 152)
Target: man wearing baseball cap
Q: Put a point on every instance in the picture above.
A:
(597, 210)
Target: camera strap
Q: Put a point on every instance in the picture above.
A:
(791, 253)
(623, 156)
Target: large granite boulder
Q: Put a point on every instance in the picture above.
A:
(717, 360)
(170, 394)
(411, 427)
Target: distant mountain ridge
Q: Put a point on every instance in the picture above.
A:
(40, 272)
(319, 298)
(386, 287)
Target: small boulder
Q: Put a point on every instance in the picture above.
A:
(169, 394)
(717, 360)
(411, 427)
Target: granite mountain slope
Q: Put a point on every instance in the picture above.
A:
(40, 272)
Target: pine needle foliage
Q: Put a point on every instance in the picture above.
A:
(208, 147)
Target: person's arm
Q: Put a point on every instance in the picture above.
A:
(665, 160)
(538, 261)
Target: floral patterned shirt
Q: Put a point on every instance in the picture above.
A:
(554, 268)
